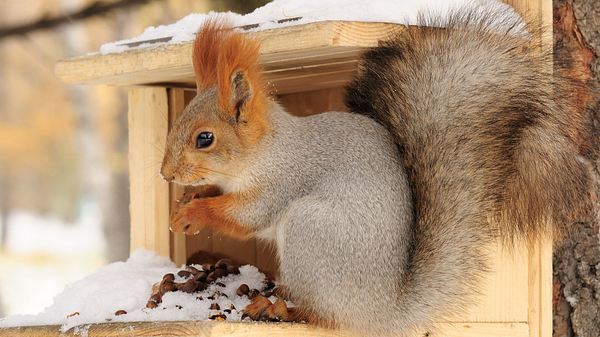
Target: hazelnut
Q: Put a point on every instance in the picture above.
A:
(166, 287)
(156, 298)
(201, 286)
(223, 263)
(215, 275)
(253, 293)
(168, 277)
(218, 317)
(242, 290)
(233, 270)
(208, 267)
(269, 285)
(192, 270)
(190, 286)
(120, 312)
(201, 276)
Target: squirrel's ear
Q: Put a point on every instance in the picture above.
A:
(241, 93)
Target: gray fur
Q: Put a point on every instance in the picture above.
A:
(342, 231)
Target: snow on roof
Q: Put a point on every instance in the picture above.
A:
(281, 13)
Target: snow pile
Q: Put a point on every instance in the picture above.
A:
(127, 286)
(281, 13)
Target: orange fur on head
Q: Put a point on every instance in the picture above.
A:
(218, 52)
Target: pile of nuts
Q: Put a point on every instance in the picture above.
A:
(199, 279)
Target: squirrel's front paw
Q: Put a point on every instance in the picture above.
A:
(187, 219)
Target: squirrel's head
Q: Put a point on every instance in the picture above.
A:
(212, 139)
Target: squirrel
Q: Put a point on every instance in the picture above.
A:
(381, 217)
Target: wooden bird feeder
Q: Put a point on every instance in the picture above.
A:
(307, 66)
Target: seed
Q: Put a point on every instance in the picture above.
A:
(201, 286)
(168, 277)
(184, 273)
(253, 293)
(190, 286)
(76, 313)
(218, 317)
(192, 270)
(201, 276)
(215, 275)
(269, 285)
(120, 312)
(242, 290)
(223, 263)
(208, 267)
(166, 287)
(215, 306)
(156, 298)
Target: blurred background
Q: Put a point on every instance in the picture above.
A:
(63, 149)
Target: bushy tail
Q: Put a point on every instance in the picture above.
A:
(485, 140)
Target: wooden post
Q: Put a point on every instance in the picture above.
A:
(148, 123)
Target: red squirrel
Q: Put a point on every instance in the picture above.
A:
(382, 216)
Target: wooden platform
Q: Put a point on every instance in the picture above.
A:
(224, 329)
(317, 55)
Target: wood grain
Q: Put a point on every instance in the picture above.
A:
(225, 329)
(319, 55)
(149, 205)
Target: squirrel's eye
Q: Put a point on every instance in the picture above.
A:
(204, 140)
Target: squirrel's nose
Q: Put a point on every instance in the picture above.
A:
(168, 176)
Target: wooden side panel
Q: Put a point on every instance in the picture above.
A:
(504, 294)
(178, 241)
(148, 111)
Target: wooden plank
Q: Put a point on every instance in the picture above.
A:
(504, 292)
(222, 329)
(177, 104)
(149, 208)
(317, 51)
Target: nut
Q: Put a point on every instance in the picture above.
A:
(253, 293)
(223, 264)
(242, 290)
(201, 276)
(190, 286)
(156, 298)
(166, 287)
(208, 267)
(120, 312)
(192, 270)
(233, 270)
(218, 317)
(201, 286)
(215, 275)
(184, 273)
(168, 277)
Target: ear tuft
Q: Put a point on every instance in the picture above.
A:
(228, 60)
(241, 92)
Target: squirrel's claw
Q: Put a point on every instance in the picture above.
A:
(185, 219)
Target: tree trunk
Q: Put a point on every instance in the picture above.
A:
(577, 259)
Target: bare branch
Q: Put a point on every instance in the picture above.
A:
(93, 9)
